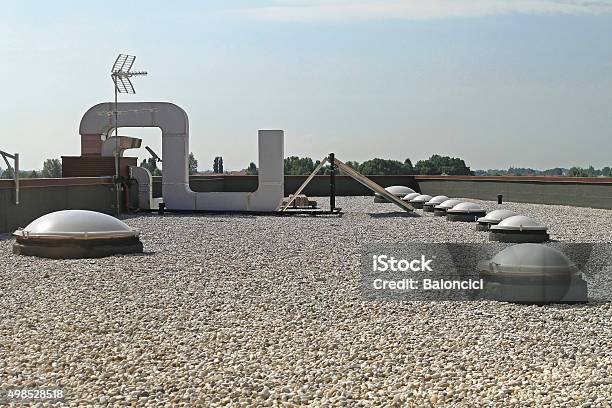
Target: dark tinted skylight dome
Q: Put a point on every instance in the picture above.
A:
(532, 273)
(76, 234)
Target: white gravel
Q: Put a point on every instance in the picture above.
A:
(266, 311)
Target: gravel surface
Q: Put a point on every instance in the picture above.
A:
(266, 311)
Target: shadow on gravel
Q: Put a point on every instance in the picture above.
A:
(139, 254)
(395, 214)
(5, 237)
(187, 215)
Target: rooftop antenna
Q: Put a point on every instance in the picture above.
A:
(121, 74)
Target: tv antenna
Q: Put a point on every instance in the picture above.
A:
(121, 74)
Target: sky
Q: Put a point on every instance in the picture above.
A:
(499, 83)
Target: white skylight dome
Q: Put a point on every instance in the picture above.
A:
(466, 212)
(418, 201)
(410, 196)
(76, 234)
(440, 209)
(492, 218)
(429, 205)
(519, 228)
(398, 191)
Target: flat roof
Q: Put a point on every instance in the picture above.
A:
(253, 309)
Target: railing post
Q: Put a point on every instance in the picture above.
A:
(332, 183)
(16, 178)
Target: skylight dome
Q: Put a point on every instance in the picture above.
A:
(429, 206)
(519, 228)
(418, 201)
(410, 196)
(76, 234)
(440, 209)
(466, 212)
(398, 191)
(532, 273)
(493, 218)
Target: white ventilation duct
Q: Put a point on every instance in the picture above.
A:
(466, 212)
(418, 201)
(532, 273)
(440, 209)
(398, 191)
(519, 228)
(123, 142)
(76, 234)
(145, 188)
(174, 125)
(493, 218)
(429, 206)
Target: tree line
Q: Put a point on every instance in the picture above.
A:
(557, 171)
(52, 168)
(294, 165)
(435, 165)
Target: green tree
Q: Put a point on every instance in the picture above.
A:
(353, 164)
(385, 167)
(606, 172)
(149, 164)
(252, 169)
(557, 171)
(592, 172)
(408, 167)
(297, 166)
(218, 165)
(33, 174)
(9, 173)
(577, 172)
(52, 168)
(193, 164)
(437, 164)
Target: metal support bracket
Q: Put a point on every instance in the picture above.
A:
(15, 158)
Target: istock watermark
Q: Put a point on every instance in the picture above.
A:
(420, 271)
(383, 263)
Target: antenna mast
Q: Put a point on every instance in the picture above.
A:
(121, 74)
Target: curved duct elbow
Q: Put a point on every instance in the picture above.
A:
(125, 142)
(145, 186)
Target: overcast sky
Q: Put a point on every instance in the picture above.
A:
(497, 82)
